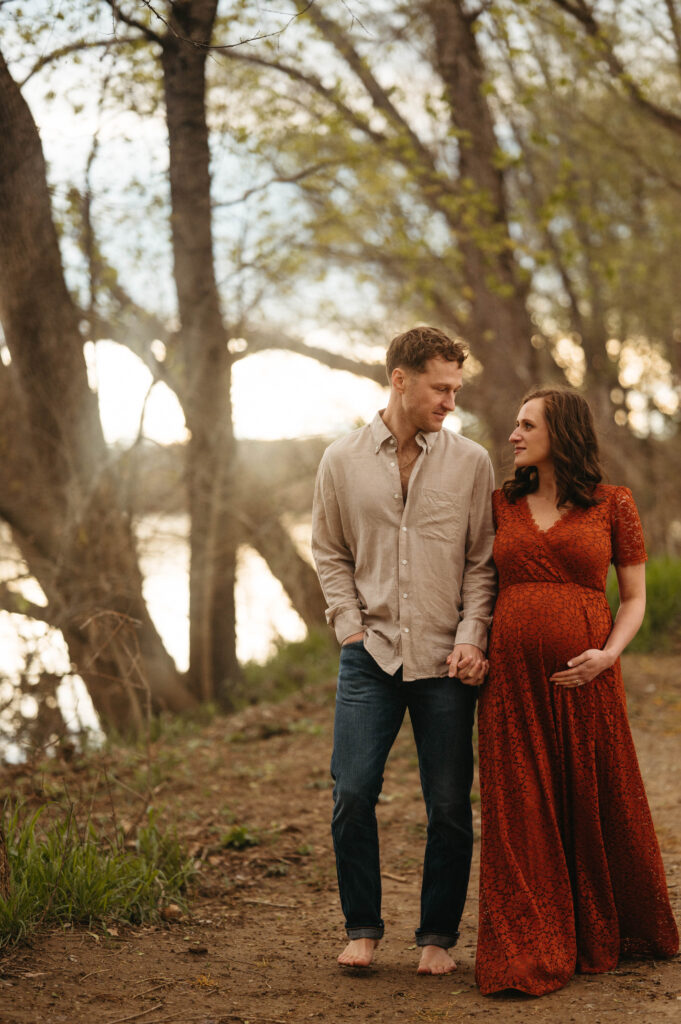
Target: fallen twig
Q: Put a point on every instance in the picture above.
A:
(268, 903)
(102, 970)
(241, 1017)
(134, 1016)
(164, 984)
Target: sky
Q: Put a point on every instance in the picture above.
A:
(274, 394)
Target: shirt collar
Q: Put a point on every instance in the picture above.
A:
(381, 434)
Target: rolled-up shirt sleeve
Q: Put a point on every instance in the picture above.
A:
(333, 558)
(479, 583)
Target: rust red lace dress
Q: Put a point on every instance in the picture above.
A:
(571, 876)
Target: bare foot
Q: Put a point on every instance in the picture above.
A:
(435, 960)
(358, 953)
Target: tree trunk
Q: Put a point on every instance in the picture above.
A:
(204, 359)
(499, 324)
(60, 499)
(270, 538)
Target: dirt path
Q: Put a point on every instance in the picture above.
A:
(259, 944)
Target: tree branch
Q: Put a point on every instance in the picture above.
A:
(261, 340)
(316, 84)
(15, 603)
(65, 51)
(379, 97)
(281, 179)
(438, 190)
(120, 15)
(579, 10)
(478, 11)
(199, 44)
(270, 538)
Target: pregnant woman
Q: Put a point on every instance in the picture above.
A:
(571, 876)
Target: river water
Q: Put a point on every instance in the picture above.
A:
(264, 614)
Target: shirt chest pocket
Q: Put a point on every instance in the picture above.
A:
(440, 515)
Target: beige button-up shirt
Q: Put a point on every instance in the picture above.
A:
(416, 576)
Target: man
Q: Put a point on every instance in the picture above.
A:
(402, 539)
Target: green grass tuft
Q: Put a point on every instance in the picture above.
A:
(66, 874)
(239, 837)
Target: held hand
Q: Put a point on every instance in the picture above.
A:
(583, 668)
(354, 638)
(468, 664)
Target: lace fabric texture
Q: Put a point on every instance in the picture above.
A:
(571, 876)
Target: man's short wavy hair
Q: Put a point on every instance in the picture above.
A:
(412, 349)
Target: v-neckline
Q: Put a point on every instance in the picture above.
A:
(535, 524)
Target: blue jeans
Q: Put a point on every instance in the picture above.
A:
(370, 707)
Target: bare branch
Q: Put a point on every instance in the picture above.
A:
(261, 340)
(127, 19)
(281, 179)
(89, 244)
(264, 35)
(437, 189)
(316, 84)
(65, 51)
(580, 10)
(379, 97)
(120, 15)
(620, 141)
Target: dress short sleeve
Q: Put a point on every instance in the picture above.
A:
(628, 546)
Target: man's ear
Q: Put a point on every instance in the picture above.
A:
(398, 379)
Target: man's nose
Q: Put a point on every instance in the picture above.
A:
(450, 402)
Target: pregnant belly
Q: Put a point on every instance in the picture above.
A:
(552, 621)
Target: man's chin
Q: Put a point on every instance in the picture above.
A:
(433, 425)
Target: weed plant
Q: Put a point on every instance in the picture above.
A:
(239, 837)
(69, 874)
(661, 628)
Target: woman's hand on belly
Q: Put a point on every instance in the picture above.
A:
(583, 668)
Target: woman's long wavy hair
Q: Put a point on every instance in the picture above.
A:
(574, 450)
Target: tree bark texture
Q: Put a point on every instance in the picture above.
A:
(499, 325)
(203, 359)
(58, 494)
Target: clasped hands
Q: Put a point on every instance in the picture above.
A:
(468, 663)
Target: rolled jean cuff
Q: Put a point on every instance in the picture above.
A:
(434, 939)
(368, 932)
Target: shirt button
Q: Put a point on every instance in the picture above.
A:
(404, 561)
(392, 463)
(405, 595)
(395, 495)
(406, 629)
(404, 529)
